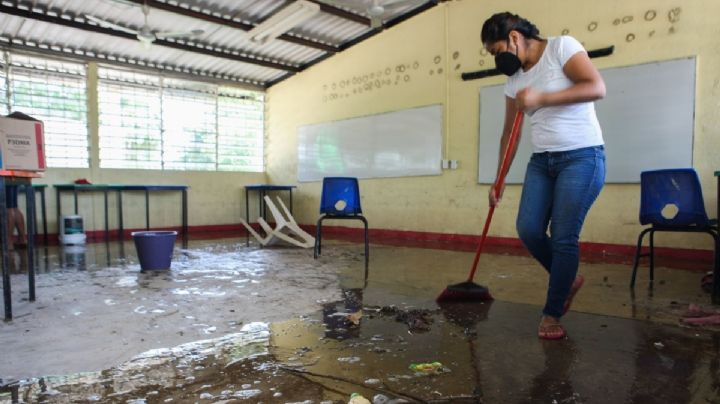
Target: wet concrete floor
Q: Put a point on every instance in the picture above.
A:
(236, 324)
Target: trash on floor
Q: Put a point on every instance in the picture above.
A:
(428, 368)
(356, 398)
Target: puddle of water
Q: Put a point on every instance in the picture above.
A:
(367, 341)
(485, 352)
(211, 368)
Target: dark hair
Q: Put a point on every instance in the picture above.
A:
(498, 27)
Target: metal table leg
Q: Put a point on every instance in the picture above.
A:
(261, 212)
(247, 218)
(59, 208)
(5, 252)
(107, 226)
(44, 215)
(147, 209)
(30, 202)
(184, 218)
(121, 231)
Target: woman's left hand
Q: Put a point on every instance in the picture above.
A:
(527, 98)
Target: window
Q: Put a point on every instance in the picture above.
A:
(189, 127)
(153, 123)
(240, 130)
(130, 133)
(55, 93)
(4, 110)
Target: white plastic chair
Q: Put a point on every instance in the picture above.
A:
(286, 229)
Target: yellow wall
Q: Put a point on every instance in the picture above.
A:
(434, 48)
(214, 198)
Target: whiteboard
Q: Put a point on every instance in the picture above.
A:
(647, 119)
(393, 144)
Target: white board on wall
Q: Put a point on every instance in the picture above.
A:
(647, 119)
(394, 144)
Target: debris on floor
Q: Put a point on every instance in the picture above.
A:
(417, 320)
(356, 398)
(427, 368)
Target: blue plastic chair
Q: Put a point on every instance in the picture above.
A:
(340, 200)
(679, 187)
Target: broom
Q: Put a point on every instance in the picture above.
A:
(468, 290)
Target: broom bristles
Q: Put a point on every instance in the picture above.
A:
(465, 292)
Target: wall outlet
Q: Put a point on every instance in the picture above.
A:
(449, 164)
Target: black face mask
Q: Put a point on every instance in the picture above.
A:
(508, 63)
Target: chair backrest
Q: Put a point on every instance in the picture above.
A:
(679, 187)
(340, 196)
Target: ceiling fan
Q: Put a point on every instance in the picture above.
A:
(378, 9)
(144, 34)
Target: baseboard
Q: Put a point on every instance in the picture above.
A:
(444, 241)
(591, 251)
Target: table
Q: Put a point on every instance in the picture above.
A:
(17, 178)
(41, 189)
(119, 189)
(262, 190)
(147, 189)
(85, 188)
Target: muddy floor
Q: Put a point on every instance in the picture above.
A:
(231, 323)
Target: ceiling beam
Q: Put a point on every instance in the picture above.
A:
(229, 21)
(400, 18)
(339, 12)
(83, 24)
(167, 70)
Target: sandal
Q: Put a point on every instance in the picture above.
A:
(551, 331)
(577, 284)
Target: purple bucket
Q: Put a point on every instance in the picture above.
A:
(154, 249)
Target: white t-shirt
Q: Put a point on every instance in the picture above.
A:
(562, 127)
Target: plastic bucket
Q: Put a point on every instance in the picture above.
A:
(154, 249)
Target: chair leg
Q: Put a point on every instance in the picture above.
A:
(318, 238)
(638, 249)
(716, 270)
(367, 245)
(652, 256)
(716, 273)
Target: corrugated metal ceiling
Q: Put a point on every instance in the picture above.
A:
(223, 52)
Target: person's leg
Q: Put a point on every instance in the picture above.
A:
(535, 208)
(20, 226)
(11, 208)
(14, 215)
(580, 177)
(10, 226)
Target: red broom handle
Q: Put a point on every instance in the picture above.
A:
(498, 186)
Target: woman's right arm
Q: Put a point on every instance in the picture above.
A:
(510, 111)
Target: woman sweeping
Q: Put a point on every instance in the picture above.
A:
(553, 81)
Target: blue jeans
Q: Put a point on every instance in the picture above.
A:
(558, 191)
